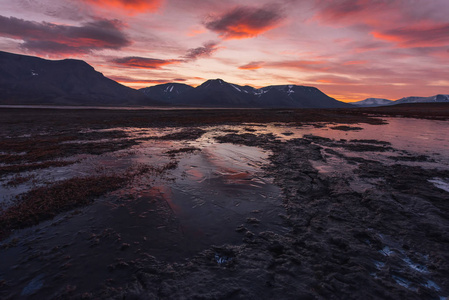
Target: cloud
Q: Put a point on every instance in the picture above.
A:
(153, 63)
(254, 65)
(436, 35)
(308, 65)
(130, 7)
(333, 79)
(409, 26)
(145, 63)
(204, 51)
(355, 62)
(353, 11)
(44, 37)
(245, 22)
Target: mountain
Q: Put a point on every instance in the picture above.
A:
(167, 92)
(219, 93)
(32, 80)
(295, 96)
(216, 93)
(436, 98)
(373, 102)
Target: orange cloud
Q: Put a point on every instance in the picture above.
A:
(254, 65)
(145, 63)
(245, 22)
(130, 6)
(355, 62)
(196, 31)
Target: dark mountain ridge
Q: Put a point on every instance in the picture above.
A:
(219, 93)
(32, 80)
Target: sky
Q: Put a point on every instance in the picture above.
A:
(349, 49)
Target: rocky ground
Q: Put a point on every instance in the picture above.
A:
(357, 227)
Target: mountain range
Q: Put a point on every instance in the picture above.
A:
(29, 80)
(219, 93)
(374, 102)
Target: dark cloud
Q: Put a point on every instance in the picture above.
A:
(144, 62)
(204, 51)
(154, 63)
(245, 22)
(417, 36)
(254, 65)
(42, 37)
(335, 10)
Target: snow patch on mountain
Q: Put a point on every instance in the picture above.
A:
(236, 87)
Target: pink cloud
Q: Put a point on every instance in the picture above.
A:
(254, 65)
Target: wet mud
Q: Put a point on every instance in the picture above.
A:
(238, 211)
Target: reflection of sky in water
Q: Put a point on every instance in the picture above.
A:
(420, 136)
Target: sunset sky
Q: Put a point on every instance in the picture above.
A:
(350, 49)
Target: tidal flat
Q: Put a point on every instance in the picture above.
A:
(225, 204)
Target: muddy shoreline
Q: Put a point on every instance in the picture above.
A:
(337, 218)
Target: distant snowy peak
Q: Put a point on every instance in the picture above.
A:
(371, 102)
(436, 98)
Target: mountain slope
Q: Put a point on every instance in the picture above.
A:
(33, 80)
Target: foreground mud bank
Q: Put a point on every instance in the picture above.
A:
(238, 211)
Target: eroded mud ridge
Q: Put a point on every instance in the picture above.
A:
(328, 210)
